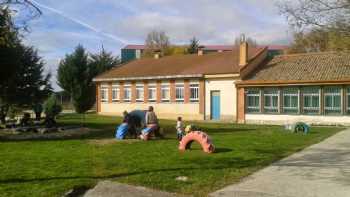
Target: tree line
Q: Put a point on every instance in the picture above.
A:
(22, 79)
(23, 82)
(319, 25)
(159, 42)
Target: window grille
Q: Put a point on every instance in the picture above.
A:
(179, 92)
(152, 91)
(332, 100)
(127, 93)
(104, 94)
(271, 100)
(115, 93)
(139, 93)
(311, 100)
(253, 100)
(165, 93)
(290, 100)
(194, 90)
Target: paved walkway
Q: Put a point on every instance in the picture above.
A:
(114, 189)
(321, 170)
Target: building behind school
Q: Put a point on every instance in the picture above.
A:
(245, 85)
(134, 51)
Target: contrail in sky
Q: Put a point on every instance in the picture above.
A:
(115, 38)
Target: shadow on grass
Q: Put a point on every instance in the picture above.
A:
(222, 150)
(107, 131)
(205, 164)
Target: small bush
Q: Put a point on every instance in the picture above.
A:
(51, 107)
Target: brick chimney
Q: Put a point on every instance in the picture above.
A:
(200, 50)
(243, 51)
(156, 54)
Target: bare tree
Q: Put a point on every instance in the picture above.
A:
(330, 14)
(156, 40)
(251, 41)
(31, 11)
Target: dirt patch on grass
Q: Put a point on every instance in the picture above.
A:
(71, 133)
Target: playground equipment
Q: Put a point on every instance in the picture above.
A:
(200, 137)
(298, 127)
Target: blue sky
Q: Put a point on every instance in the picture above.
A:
(115, 23)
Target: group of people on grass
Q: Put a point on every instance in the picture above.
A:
(137, 126)
(144, 129)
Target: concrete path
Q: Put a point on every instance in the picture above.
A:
(114, 189)
(321, 170)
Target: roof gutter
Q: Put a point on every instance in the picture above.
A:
(147, 78)
(257, 83)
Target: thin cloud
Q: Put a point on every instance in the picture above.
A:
(115, 38)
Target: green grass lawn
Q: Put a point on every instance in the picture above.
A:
(50, 168)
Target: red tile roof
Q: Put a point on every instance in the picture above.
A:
(326, 66)
(212, 63)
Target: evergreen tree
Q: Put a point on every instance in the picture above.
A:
(28, 85)
(9, 47)
(194, 44)
(75, 77)
(22, 81)
(21, 73)
(103, 61)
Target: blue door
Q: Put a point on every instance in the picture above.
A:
(215, 105)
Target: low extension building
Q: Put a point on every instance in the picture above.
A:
(311, 87)
(245, 85)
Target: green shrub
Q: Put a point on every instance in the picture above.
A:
(51, 107)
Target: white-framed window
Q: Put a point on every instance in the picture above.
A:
(194, 92)
(271, 98)
(115, 93)
(152, 93)
(104, 93)
(311, 100)
(290, 100)
(165, 92)
(179, 92)
(253, 100)
(127, 93)
(332, 100)
(139, 93)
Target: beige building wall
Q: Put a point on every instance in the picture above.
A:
(189, 111)
(228, 97)
(289, 119)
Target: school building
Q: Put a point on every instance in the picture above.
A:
(244, 85)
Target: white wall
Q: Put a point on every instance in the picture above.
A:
(289, 119)
(189, 111)
(228, 97)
